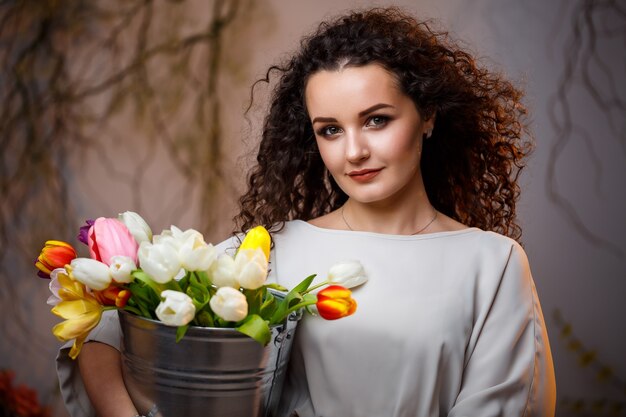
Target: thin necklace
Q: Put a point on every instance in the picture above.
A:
(416, 233)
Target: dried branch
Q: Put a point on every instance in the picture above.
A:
(582, 53)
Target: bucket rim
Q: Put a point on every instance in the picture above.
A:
(133, 319)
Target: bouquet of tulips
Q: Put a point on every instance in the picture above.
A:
(177, 278)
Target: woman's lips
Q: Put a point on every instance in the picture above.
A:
(364, 175)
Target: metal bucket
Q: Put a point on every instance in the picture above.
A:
(210, 372)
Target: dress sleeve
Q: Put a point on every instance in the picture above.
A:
(508, 368)
(70, 381)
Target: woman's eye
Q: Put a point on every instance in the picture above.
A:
(377, 121)
(329, 131)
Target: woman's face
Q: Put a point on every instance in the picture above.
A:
(368, 132)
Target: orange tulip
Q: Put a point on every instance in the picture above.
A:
(55, 254)
(113, 296)
(335, 302)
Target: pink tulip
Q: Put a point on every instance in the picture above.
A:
(110, 237)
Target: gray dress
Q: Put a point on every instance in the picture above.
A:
(449, 324)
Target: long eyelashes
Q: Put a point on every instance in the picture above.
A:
(373, 122)
(377, 121)
(328, 131)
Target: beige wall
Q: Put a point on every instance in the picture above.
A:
(573, 190)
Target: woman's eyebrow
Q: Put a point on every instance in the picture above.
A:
(361, 114)
(374, 108)
(324, 120)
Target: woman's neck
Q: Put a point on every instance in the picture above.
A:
(391, 217)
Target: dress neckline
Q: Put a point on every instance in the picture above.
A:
(361, 233)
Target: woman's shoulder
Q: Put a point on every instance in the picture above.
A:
(474, 240)
(299, 230)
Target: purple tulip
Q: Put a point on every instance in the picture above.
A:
(83, 235)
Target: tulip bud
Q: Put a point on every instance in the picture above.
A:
(121, 268)
(91, 273)
(194, 253)
(251, 268)
(257, 237)
(159, 260)
(222, 272)
(347, 274)
(177, 309)
(137, 226)
(55, 254)
(83, 234)
(335, 302)
(55, 286)
(122, 298)
(174, 237)
(110, 237)
(113, 296)
(229, 304)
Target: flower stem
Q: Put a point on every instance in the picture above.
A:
(316, 286)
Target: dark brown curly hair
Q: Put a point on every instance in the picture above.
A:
(471, 163)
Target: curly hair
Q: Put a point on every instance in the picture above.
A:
(470, 164)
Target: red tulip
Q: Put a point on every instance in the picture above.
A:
(335, 302)
(55, 254)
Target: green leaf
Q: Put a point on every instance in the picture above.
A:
(276, 287)
(304, 285)
(205, 318)
(199, 294)
(307, 300)
(144, 298)
(203, 277)
(145, 278)
(220, 322)
(256, 328)
(133, 310)
(254, 299)
(184, 283)
(293, 298)
(173, 285)
(269, 306)
(180, 332)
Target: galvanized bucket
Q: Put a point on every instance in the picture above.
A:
(210, 372)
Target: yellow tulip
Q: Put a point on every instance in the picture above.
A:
(258, 237)
(81, 311)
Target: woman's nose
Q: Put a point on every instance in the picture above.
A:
(357, 148)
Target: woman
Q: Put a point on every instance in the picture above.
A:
(387, 144)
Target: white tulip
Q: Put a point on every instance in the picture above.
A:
(94, 274)
(136, 225)
(177, 309)
(121, 268)
(159, 260)
(194, 253)
(222, 272)
(167, 237)
(347, 274)
(54, 286)
(229, 304)
(174, 236)
(251, 268)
